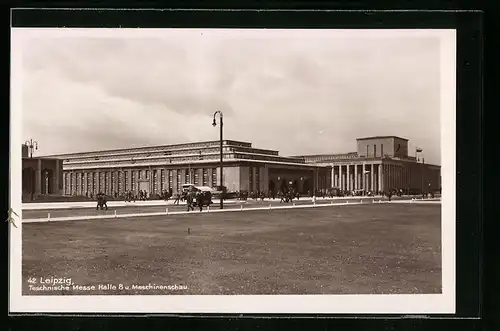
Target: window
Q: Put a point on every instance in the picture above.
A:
(80, 184)
(147, 174)
(106, 182)
(89, 183)
(112, 182)
(95, 187)
(120, 183)
(125, 181)
(162, 180)
(170, 180)
(382, 150)
(205, 177)
(134, 184)
(187, 176)
(214, 177)
(196, 177)
(75, 183)
(155, 181)
(374, 150)
(178, 180)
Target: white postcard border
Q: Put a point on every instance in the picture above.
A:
(314, 304)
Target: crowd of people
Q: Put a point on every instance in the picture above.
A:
(197, 198)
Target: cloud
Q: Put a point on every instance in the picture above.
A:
(296, 95)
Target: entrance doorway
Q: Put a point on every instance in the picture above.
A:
(306, 187)
(272, 186)
(47, 180)
(284, 185)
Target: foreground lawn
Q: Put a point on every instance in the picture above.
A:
(332, 250)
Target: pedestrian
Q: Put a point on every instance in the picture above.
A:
(189, 201)
(199, 200)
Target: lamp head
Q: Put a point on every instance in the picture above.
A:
(214, 123)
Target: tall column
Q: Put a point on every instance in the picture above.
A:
(392, 176)
(385, 176)
(174, 180)
(363, 177)
(396, 176)
(403, 176)
(348, 177)
(98, 183)
(380, 181)
(400, 176)
(372, 177)
(57, 188)
(332, 184)
(356, 183)
(336, 174)
(38, 177)
(389, 176)
(341, 180)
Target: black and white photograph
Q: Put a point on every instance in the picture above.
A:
(233, 170)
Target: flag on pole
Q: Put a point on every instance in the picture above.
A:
(419, 150)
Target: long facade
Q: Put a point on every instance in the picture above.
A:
(379, 164)
(167, 168)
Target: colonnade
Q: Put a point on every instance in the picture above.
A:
(372, 176)
(111, 181)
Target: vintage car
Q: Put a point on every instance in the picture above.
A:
(219, 191)
(205, 191)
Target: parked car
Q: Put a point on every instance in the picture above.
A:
(219, 191)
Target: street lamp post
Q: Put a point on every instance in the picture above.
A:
(32, 145)
(214, 123)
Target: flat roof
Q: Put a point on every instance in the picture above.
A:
(381, 137)
(149, 147)
(326, 154)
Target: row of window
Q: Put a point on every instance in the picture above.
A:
(179, 152)
(189, 159)
(142, 154)
(159, 161)
(161, 149)
(117, 182)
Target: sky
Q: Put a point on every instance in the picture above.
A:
(298, 92)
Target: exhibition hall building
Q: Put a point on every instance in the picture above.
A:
(379, 164)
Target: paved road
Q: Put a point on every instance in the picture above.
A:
(54, 213)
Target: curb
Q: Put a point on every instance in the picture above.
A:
(208, 210)
(167, 213)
